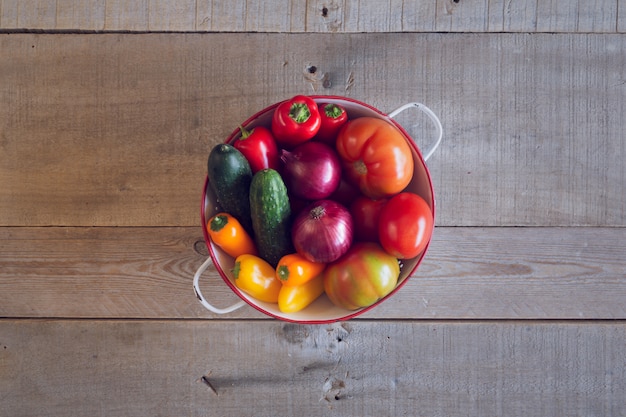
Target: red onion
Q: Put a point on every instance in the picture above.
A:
(312, 170)
(323, 231)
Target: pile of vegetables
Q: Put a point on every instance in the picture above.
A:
(316, 203)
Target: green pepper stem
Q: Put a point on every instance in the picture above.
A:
(218, 222)
(245, 133)
(283, 272)
(236, 270)
(299, 112)
(332, 111)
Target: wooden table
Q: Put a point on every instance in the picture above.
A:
(108, 111)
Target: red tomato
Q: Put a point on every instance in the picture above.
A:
(361, 277)
(366, 213)
(345, 193)
(376, 156)
(405, 225)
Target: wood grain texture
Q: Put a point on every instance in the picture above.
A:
(597, 16)
(114, 130)
(105, 123)
(468, 273)
(148, 368)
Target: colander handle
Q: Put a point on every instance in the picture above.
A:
(428, 152)
(203, 301)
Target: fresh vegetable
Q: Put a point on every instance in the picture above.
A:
(256, 277)
(376, 156)
(365, 212)
(271, 215)
(333, 117)
(230, 177)
(361, 277)
(259, 148)
(295, 121)
(323, 231)
(294, 269)
(227, 233)
(312, 170)
(295, 298)
(297, 203)
(345, 193)
(406, 225)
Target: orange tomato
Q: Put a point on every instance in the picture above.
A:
(294, 269)
(361, 277)
(376, 156)
(227, 233)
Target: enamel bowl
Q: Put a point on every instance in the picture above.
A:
(321, 310)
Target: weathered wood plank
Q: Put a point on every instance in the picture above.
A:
(476, 273)
(598, 16)
(576, 16)
(78, 14)
(114, 130)
(451, 16)
(127, 15)
(177, 16)
(512, 15)
(554, 16)
(36, 14)
(621, 16)
(148, 368)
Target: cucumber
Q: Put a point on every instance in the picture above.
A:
(230, 177)
(271, 216)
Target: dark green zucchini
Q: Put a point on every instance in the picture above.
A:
(271, 215)
(230, 177)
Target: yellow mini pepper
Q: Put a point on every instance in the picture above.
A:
(295, 298)
(256, 277)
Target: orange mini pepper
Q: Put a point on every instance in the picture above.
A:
(294, 269)
(227, 233)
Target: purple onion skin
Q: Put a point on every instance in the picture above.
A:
(323, 231)
(312, 170)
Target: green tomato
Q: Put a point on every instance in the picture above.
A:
(361, 277)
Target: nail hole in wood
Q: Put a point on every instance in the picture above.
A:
(312, 69)
(324, 11)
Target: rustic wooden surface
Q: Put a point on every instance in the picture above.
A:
(583, 16)
(268, 368)
(534, 124)
(469, 273)
(108, 110)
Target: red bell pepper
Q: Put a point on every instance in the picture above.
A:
(259, 148)
(333, 117)
(295, 121)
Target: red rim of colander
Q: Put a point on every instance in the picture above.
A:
(350, 314)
